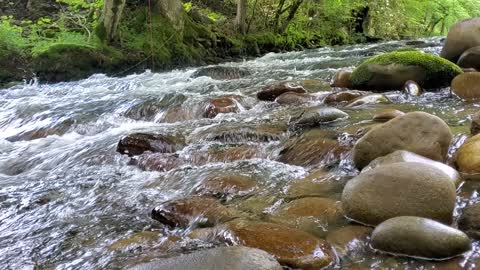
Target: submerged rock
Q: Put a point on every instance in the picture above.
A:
(387, 114)
(399, 189)
(222, 73)
(470, 58)
(226, 186)
(222, 258)
(291, 247)
(271, 92)
(368, 100)
(157, 162)
(467, 85)
(469, 221)
(312, 214)
(312, 148)
(293, 98)
(405, 156)
(315, 116)
(220, 105)
(183, 212)
(417, 132)
(461, 37)
(419, 237)
(138, 143)
(346, 238)
(317, 184)
(390, 71)
(344, 96)
(235, 133)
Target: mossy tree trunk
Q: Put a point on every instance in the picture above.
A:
(112, 13)
(173, 10)
(241, 19)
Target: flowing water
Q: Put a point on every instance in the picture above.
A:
(66, 195)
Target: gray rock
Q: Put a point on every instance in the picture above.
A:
(469, 221)
(405, 156)
(231, 258)
(417, 132)
(399, 189)
(319, 115)
(368, 100)
(221, 72)
(419, 237)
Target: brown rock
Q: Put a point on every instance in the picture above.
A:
(387, 114)
(220, 105)
(342, 79)
(344, 96)
(226, 186)
(183, 212)
(157, 162)
(469, 221)
(291, 247)
(417, 132)
(461, 37)
(467, 85)
(475, 127)
(344, 239)
(312, 148)
(470, 58)
(312, 214)
(293, 98)
(271, 92)
(411, 88)
(368, 100)
(316, 184)
(467, 158)
(138, 143)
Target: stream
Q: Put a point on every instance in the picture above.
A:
(68, 199)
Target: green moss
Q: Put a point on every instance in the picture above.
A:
(439, 71)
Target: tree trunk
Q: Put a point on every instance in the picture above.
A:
(112, 13)
(241, 19)
(174, 12)
(278, 13)
(291, 14)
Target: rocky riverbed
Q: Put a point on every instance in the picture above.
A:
(162, 171)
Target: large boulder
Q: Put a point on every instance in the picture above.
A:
(461, 37)
(390, 71)
(291, 247)
(470, 58)
(417, 132)
(405, 156)
(467, 85)
(399, 189)
(232, 258)
(467, 158)
(469, 221)
(419, 237)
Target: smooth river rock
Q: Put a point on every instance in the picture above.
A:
(342, 79)
(222, 258)
(419, 237)
(461, 37)
(138, 143)
(291, 247)
(405, 156)
(469, 221)
(467, 158)
(315, 116)
(470, 58)
(226, 104)
(387, 114)
(417, 132)
(399, 189)
(226, 186)
(271, 92)
(467, 86)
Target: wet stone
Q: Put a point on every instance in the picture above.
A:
(342, 79)
(291, 247)
(344, 96)
(475, 126)
(346, 238)
(387, 114)
(234, 133)
(411, 88)
(470, 58)
(138, 143)
(222, 72)
(221, 258)
(399, 189)
(419, 237)
(206, 211)
(228, 186)
(271, 92)
(467, 158)
(467, 85)
(368, 100)
(469, 221)
(315, 116)
(220, 105)
(293, 98)
(157, 162)
(316, 184)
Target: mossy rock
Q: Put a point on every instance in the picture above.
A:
(390, 71)
(55, 64)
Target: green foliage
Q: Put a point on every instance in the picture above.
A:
(11, 39)
(187, 6)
